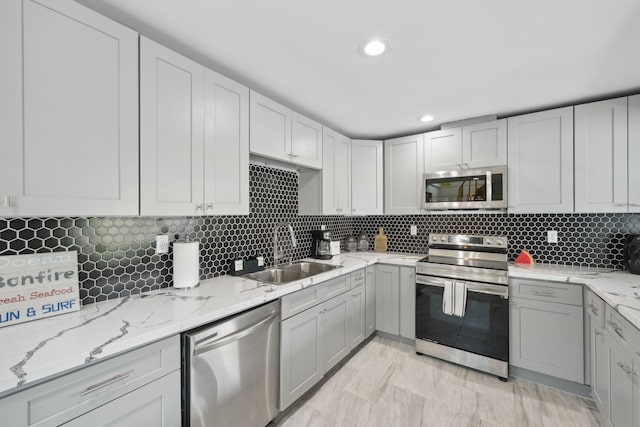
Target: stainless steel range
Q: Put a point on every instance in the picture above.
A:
(462, 302)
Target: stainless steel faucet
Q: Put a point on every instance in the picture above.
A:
(294, 242)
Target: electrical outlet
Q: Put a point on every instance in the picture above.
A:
(162, 244)
(552, 236)
(414, 230)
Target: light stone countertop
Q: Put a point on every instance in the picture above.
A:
(44, 348)
(619, 289)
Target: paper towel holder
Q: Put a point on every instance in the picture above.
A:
(186, 264)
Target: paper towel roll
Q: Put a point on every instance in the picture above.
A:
(186, 264)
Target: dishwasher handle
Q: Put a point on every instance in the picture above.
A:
(204, 347)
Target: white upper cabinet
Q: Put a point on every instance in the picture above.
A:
(540, 160)
(443, 150)
(226, 146)
(193, 138)
(484, 144)
(171, 132)
(336, 173)
(306, 141)
(366, 177)
(601, 156)
(281, 134)
(403, 165)
(270, 128)
(467, 147)
(634, 154)
(69, 111)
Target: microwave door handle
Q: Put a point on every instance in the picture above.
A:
(488, 190)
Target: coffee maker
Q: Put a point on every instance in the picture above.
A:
(321, 244)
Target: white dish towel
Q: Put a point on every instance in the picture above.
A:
(447, 298)
(459, 298)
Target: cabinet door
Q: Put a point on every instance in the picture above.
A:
(634, 153)
(408, 302)
(155, 404)
(620, 384)
(403, 177)
(226, 146)
(370, 301)
(334, 328)
(485, 144)
(336, 176)
(69, 114)
(301, 364)
(306, 141)
(356, 316)
(366, 177)
(270, 128)
(540, 160)
(599, 368)
(443, 150)
(547, 338)
(601, 156)
(171, 132)
(388, 299)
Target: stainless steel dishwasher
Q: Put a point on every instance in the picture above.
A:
(231, 370)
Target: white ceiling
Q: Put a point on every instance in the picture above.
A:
(453, 59)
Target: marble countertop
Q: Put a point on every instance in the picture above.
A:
(47, 347)
(619, 289)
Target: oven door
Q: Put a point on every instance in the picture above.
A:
(484, 328)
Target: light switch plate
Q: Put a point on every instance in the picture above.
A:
(162, 244)
(552, 236)
(414, 230)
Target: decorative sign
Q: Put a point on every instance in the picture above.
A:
(38, 285)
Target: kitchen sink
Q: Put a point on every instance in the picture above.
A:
(290, 272)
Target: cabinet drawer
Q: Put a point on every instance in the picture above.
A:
(595, 308)
(74, 394)
(302, 300)
(337, 286)
(540, 290)
(623, 330)
(357, 278)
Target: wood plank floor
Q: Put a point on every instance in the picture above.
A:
(387, 384)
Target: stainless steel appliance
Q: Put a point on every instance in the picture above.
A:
(321, 244)
(632, 253)
(231, 370)
(484, 188)
(462, 302)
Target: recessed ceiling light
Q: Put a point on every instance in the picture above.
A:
(426, 118)
(374, 47)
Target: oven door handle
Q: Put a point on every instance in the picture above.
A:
(482, 288)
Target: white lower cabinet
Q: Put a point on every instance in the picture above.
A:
(314, 340)
(546, 330)
(370, 301)
(141, 387)
(155, 404)
(620, 384)
(395, 300)
(598, 351)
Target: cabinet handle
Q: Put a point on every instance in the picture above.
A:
(627, 369)
(620, 205)
(543, 293)
(635, 205)
(199, 207)
(6, 201)
(616, 328)
(105, 383)
(593, 308)
(209, 205)
(598, 333)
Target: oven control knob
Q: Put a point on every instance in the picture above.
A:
(489, 241)
(434, 238)
(443, 238)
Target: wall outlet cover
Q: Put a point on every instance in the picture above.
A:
(162, 244)
(552, 236)
(414, 230)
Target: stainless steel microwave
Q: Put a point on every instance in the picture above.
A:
(484, 188)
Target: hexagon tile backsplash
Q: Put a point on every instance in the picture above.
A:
(117, 255)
